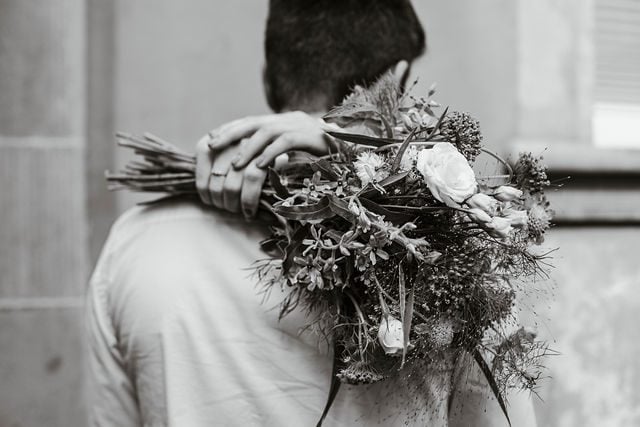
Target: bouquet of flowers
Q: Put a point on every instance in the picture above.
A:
(398, 250)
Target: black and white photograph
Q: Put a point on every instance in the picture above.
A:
(325, 213)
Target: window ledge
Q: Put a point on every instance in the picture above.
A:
(591, 185)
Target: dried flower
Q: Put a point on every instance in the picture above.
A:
(538, 222)
(359, 373)
(530, 173)
(369, 168)
(439, 332)
(463, 131)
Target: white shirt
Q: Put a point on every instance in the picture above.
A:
(181, 335)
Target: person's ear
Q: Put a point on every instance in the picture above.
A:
(400, 73)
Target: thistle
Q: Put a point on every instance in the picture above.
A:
(530, 173)
(463, 131)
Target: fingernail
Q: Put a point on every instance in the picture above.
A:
(260, 161)
(236, 162)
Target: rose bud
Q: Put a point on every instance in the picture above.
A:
(484, 202)
(506, 193)
(479, 216)
(500, 227)
(391, 335)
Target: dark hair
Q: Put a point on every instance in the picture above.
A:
(320, 49)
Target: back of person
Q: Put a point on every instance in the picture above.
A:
(178, 332)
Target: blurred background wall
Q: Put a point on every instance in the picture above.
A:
(559, 78)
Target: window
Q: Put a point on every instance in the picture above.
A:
(616, 109)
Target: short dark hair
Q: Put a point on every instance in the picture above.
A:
(322, 48)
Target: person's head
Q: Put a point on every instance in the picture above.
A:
(317, 50)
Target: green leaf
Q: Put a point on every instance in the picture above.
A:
(335, 381)
(406, 323)
(401, 150)
(486, 370)
(324, 167)
(276, 183)
(351, 110)
(393, 216)
(356, 138)
(341, 208)
(318, 211)
(387, 182)
(292, 248)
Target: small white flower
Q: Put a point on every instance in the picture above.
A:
(517, 218)
(447, 173)
(369, 167)
(506, 193)
(500, 227)
(409, 158)
(481, 201)
(391, 335)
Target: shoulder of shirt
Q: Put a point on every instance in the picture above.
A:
(159, 216)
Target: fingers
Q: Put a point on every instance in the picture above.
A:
(235, 131)
(318, 144)
(231, 190)
(280, 145)
(217, 176)
(204, 163)
(254, 145)
(253, 180)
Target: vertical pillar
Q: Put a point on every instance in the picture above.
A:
(43, 227)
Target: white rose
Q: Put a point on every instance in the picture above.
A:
(447, 173)
(391, 335)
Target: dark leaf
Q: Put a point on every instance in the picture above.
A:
(401, 150)
(437, 126)
(387, 182)
(320, 210)
(341, 208)
(276, 183)
(406, 323)
(335, 381)
(351, 110)
(355, 138)
(486, 370)
(293, 246)
(394, 217)
(324, 167)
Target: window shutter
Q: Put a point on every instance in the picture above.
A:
(617, 51)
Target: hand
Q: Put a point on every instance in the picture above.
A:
(230, 175)
(224, 187)
(266, 137)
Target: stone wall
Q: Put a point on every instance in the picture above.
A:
(73, 73)
(43, 231)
